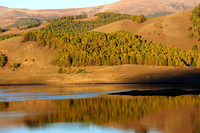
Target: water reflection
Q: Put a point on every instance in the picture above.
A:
(170, 114)
(105, 113)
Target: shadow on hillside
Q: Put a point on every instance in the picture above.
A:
(189, 76)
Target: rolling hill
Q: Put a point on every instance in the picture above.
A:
(10, 15)
(170, 30)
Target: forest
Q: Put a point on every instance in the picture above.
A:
(4, 37)
(23, 22)
(195, 20)
(67, 24)
(78, 46)
(29, 26)
(96, 49)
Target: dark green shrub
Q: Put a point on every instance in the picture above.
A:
(70, 70)
(15, 65)
(2, 30)
(3, 60)
(140, 19)
(194, 47)
(81, 70)
(60, 70)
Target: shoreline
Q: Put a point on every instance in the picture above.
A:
(123, 74)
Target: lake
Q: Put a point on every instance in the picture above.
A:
(97, 108)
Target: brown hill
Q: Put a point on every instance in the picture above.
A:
(10, 15)
(33, 58)
(152, 6)
(171, 30)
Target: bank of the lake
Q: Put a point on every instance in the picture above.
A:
(103, 74)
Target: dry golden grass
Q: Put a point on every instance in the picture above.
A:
(35, 61)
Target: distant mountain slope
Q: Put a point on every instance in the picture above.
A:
(152, 6)
(171, 30)
(9, 15)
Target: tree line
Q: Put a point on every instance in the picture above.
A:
(67, 24)
(29, 26)
(195, 20)
(23, 22)
(96, 49)
(4, 37)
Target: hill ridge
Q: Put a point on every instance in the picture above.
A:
(146, 7)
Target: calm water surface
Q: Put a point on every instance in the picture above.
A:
(93, 109)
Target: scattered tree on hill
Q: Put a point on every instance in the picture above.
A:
(3, 60)
(2, 30)
(140, 18)
(15, 65)
(194, 47)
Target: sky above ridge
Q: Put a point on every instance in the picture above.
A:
(53, 4)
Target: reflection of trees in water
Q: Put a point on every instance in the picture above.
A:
(3, 105)
(113, 110)
(196, 123)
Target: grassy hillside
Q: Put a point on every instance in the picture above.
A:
(170, 30)
(77, 46)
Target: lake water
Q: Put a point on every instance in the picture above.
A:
(98, 109)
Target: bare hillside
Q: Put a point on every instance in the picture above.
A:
(171, 30)
(35, 61)
(152, 6)
(10, 15)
